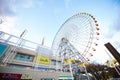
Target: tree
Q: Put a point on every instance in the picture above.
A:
(102, 72)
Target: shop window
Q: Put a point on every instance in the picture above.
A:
(24, 57)
(53, 62)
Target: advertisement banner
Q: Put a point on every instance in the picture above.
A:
(10, 76)
(43, 60)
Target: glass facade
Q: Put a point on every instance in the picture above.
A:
(24, 57)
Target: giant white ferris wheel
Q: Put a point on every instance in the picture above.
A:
(76, 39)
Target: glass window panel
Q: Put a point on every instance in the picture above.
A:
(24, 57)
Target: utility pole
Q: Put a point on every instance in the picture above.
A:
(113, 51)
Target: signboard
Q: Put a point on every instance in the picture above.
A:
(3, 48)
(43, 60)
(66, 78)
(47, 79)
(13, 76)
(10, 76)
(26, 76)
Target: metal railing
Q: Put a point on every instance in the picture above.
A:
(18, 41)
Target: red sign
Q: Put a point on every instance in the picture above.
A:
(10, 75)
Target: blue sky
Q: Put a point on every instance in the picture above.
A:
(43, 18)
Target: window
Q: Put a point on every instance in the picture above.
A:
(24, 57)
(3, 48)
(53, 62)
(59, 63)
(47, 79)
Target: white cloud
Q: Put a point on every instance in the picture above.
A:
(8, 25)
(7, 15)
(27, 3)
(113, 32)
(30, 3)
(8, 10)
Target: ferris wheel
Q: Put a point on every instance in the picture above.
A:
(76, 40)
(77, 37)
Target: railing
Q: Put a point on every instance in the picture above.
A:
(20, 42)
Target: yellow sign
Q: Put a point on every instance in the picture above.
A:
(26, 76)
(66, 61)
(114, 61)
(72, 60)
(43, 60)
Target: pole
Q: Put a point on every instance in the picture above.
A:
(117, 70)
(70, 69)
(113, 51)
(86, 71)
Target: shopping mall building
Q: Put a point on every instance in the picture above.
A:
(25, 60)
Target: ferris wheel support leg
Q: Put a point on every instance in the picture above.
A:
(86, 72)
(70, 69)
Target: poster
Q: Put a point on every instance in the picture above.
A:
(43, 60)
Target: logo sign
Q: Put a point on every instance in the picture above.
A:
(43, 60)
(26, 76)
(3, 48)
(66, 78)
(47, 79)
(10, 76)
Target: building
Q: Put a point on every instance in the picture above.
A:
(23, 59)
